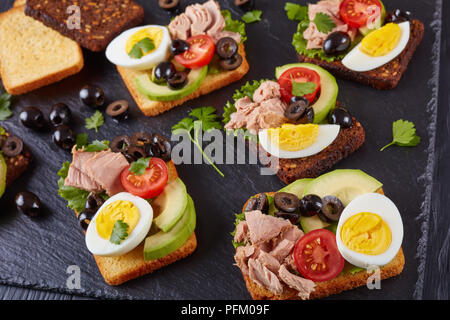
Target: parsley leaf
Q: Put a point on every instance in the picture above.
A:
(323, 22)
(404, 134)
(252, 16)
(5, 103)
(355, 269)
(119, 232)
(97, 145)
(142, 47)
(295, 11)
(138, 167)
(76, 198)
(234, 25)
(300, 89)
(81, 140)
(208, 117)
(95, 121)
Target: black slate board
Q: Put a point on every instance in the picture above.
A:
(36, 253)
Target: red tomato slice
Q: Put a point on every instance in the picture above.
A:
(317, 257)
(148, 185)
(356, 13)
(298, 74)
(201, 51)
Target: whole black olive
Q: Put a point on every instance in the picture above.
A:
(332, 208)
(164, 147)
(164, 71)
(405, 15)
(94, 202)
(118, 110)
(336, 43)
(226, 47)
(286, 202)
(139, 139)
(168, 5)
(12, 146)
(177, 81)
(341, 116)
(310, 205)
(245, 5)
(32, 117)
(84, 218)
(135, 153)
(120, 143)
(60, 114)
(179, 46)
(92, 96)
(292, 217)
(260, 202)
(28, 203)
(64, 137)
(233, 63)
(296, 110)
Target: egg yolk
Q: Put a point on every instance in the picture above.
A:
(382, 41)
(366, 233)
(153, 33)
(117, 210)
(291, 137)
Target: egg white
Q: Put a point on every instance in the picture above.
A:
(386, 209)
(103, 247)
(327, 134)
(116, 53)
(359, 61)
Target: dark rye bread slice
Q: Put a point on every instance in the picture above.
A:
(348, 141)
(17, 165)
(343, 282)
(385, 77)
(101, 20)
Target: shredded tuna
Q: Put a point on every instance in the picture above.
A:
(302, 285)
(264, 277)
(242, 255)
(77, 179)
(267, 90)
(263, 227)
(282, 250)
(268, 261)
(228, 34)
(218, 23)
(201, 19)
(241, 232)
(180, 27)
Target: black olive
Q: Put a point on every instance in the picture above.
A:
(168, 4)
(13, 146)
(332, 208)
(179, 46)
(232, 63)
(60, 114)
(152, 150)
(84, 218)
(28, 203)
(259, 202)
(92, 96)
(341, 116)
(245, 5)
(120, 143)
(32, 117)
(135, 153)
(164, 147)
(128, 157)
(405, 15)
(140, 139)
(64, 137)
(286, 202)
(164, 71)
(94, 202)
(310, 205)
(177, 81)
(292, 217)
(308, 116)
(118, 110)
(226, 48)
(336, 43)
(296, 110)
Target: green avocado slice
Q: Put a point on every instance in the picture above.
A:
(3, 169)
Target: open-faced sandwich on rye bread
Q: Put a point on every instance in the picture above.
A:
(356, 39)
(200, 51)
(318, 237)
(289, 118)
(135, 210)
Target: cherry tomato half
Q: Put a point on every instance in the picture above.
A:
(148, 185)
(317, 257)
(298, 74)
(201, 51)
(357, 13)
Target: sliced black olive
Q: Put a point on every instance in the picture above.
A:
(245, 5)
(120, 143)
(136, 152)
(13, 146)
(64, 137)
(179, 46)
(92, 96)
(118, 110)
(164, 147)
(310, 205)
(164, 71)
(94, 202)
(232, 63)
(332, 208)
(259, 202)
(226, 48)
(286, 202)
(177, 81)
(60, 114)
(152, 150)
(296, 110)
(168, 4)
(140, 139)
(308, 116)
(32, 117)
(28, 203)
(292, 217)
(336, 43)
(84, 218)
(341, 116)
(128, 156)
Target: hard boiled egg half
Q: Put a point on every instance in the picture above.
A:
(122, 212)
(140, 48)
(378, 47)
(370, 231)
(292, 141)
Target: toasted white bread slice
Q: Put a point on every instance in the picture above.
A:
(344, 281)
(210, 83)
(33, 55)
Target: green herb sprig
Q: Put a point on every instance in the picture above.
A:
(5, 103)
(119, 232)
(94, 122)
(404, 133)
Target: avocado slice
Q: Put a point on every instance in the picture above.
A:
(159, 92)
(161, 244)
(328, 89)
(312, 223)
(345, 184)
(170, 205)
(378, 23)
(3, 168)
(297, 187)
